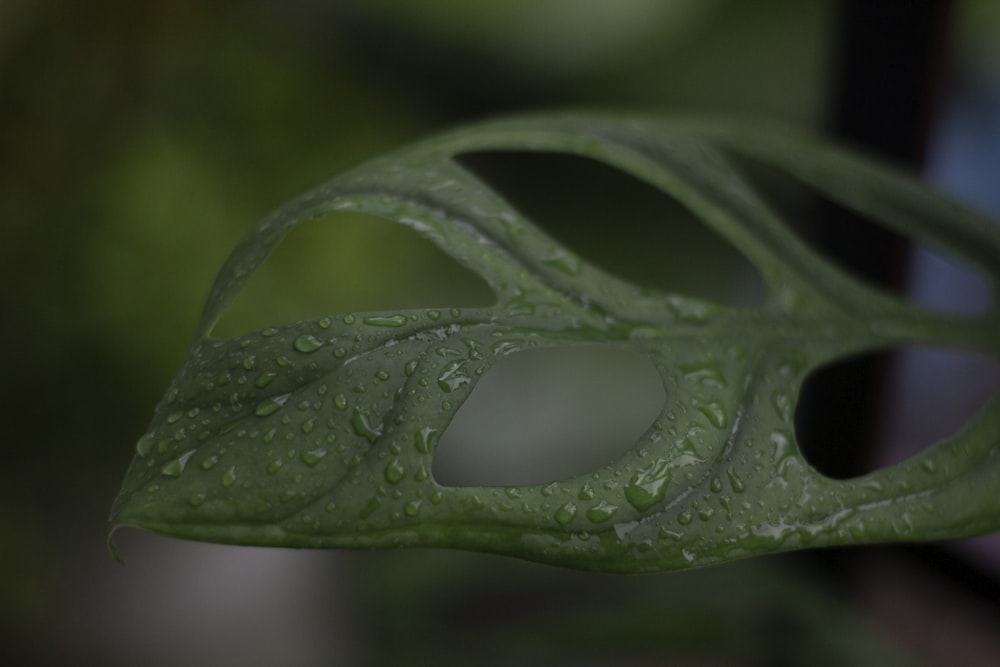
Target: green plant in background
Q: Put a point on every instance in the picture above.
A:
(322, 433)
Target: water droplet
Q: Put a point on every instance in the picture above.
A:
(267, 333)
(340, 353)
(145, 444)
(349, 319)
(708, 375)
(564, 261)
(716, 485)
(325, 323)
(394, 471)
(275, 466)
(209, 463)
(174, 417)
(313, 456)
(684, 518)
(270, 405)
(423, 439)
(782, 402)
(715, 412)
(340, 401)
(361, 422)
(602, 511)
(308, 425)
(566, 513)
(735, 481)
(648, 486)
(453, 376)
(196, 499)
(412, 508)
(308, 343)
(386, 320)
(229, 477)
(370, 507)
(176, 467)
(265, 379)
(382, 375)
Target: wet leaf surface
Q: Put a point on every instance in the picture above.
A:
(322, 433)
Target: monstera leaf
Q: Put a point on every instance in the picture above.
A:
(322, 433)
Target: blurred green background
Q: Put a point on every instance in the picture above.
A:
(139, 141)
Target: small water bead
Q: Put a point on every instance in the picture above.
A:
(386, 320)
(563, 260)
(684, 518)
(174, 417)
(707, 375)
(308, 425)
(382, 375)
(434, 314)
(715, 412)
(229, 477)
(782, 402)
(307, 343)
(145, 444)
(196, 499)
(424, 439)
(313, 456)
(267, 333)
(363, 426)
(602, 511)
(394, 471)
(648, 486)
(210, 462)
(340, 400)
(453, 376)
(716, 485)
(735, 481)
(275, 466)
(176, 467)
(271, 405)
(265, 379)
(370, 507)
(412, 508)
(566, 513)
(325, 323)
(349, 319)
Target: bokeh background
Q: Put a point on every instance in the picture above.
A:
(139, 141)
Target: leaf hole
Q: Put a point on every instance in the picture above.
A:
(620, 224)
(875, 410)
(871, 252)
(345, 263)
(547, 414)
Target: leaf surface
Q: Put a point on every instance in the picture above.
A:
(322, 433)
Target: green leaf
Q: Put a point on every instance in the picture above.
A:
(322, 433)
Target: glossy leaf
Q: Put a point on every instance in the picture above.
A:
(322, 433)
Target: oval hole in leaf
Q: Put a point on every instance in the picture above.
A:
(872, 253)
(875, 410)
(547, 414)
(350, 262)
(621, 224)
